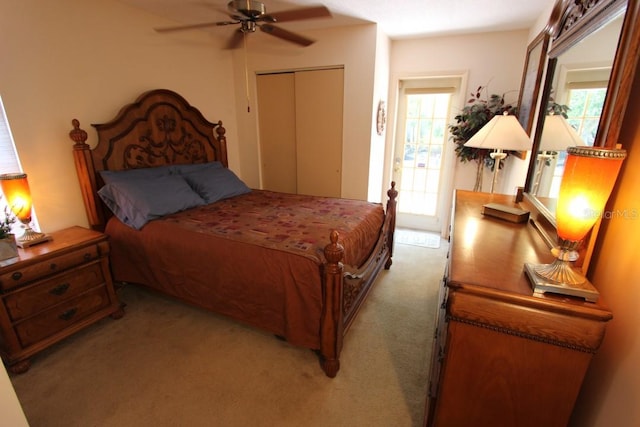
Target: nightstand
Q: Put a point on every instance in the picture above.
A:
(53, 290)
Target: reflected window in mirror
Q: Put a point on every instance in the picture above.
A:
(585, 92)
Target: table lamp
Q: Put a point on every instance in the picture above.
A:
(557, 135)
(502, 132)
(587, 182)
(15, 188)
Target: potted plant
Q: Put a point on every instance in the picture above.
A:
(470, 120)
(8, 247)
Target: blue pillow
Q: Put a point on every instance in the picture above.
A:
(138, 201)
(189, 168)
(213, 184)
(129, 174)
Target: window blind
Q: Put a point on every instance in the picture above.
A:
(9, 161)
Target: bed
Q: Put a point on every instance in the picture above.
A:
(297, 266)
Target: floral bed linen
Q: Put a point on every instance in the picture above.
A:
(255, 257)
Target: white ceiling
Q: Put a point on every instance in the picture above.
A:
(397, 18)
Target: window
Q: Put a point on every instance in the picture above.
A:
(9, 161)
(8, 157)
(585, 107)
(585, 91)
(422, 164)
(425, 136)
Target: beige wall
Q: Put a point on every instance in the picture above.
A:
(81, 59)
(494, 60)
(379, 181)
(351, 47)
(85, 59)
(609, 396)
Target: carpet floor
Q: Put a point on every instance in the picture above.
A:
(168, 364)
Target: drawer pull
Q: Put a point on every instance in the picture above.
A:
(53, 266)
(16, 276)
(67, 315)
(60, 289)
(87, 256)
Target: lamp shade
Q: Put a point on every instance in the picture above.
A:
(589, 176)
(502, 132)
(558, 134)
(15, 188)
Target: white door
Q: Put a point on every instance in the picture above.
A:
(424, 114)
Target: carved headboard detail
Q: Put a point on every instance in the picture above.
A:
(159, 128)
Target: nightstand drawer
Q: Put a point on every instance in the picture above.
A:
(41, 295)
(61, 316)
(39, 270)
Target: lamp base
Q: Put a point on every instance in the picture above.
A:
(31, 237)
(541, 285)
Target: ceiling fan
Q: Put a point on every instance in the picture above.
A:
(251, 14)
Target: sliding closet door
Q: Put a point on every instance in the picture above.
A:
(319, 100)
(277, 118)
(300, 119)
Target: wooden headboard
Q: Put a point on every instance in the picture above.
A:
(159, 128)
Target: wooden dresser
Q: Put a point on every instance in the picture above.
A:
(503, 356)
(53, 290)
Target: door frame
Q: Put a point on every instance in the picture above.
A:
(445, 197)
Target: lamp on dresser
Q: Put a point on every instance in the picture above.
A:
(15, 188)
(557, 135)
(502, 132)
(589, 176)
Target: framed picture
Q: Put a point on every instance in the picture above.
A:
(531, 80)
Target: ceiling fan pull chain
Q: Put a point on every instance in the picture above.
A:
(246, 72)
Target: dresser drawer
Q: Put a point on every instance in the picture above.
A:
(61, 316)
(41, 295)
(440, 340)
(21, 276)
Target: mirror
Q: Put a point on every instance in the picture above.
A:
(594, 45)
(578, 90)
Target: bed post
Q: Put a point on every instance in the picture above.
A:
(332, 322)
(222, 140)
(392, 193)
(86, 175)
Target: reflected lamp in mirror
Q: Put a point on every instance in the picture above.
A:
(15, 188)
(589, 176)
(502, 132)
(557, 135)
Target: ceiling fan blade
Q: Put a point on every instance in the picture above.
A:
(298, 14)
(193, 26)
(235, 40)
(286, 35)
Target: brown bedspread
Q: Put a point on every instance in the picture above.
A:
(255, 257)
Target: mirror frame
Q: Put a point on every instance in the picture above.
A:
(569, 23)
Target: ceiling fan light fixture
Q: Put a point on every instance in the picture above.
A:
(250, 8)
(248, 27)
